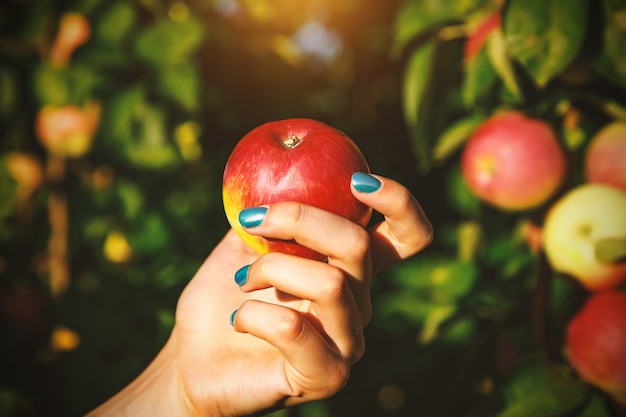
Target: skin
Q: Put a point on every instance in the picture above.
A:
(298, 326)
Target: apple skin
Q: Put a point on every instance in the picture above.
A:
(575, 224)
(605, 158)
(317, 171)
(513, 162)
(595, 343)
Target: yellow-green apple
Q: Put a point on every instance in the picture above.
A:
(513, 162)
(586, 221)
(595, 343)
(605, 158)
(67, 130)
(300, 160)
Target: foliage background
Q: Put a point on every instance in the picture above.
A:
(473, 326)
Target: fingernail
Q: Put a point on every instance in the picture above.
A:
(365, 183)
(252, 217)
(241, 276)
(232, 317)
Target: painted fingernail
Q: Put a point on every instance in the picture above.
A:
(365, 183)
(241, 276)
(253, 216)
(232, 317)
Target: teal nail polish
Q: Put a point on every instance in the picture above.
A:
(232, 317)
(252, 217)
(365, 183)
(241, 276)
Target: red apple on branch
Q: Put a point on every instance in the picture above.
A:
(605, 159)
(299, 160)
(595, 343)
(513, 162)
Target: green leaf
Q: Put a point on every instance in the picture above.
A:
(151, 234)
(51, 85)
(480, 76)
(415, 82)
(115, 23)
(611, 250)
(612, 59)
(456, 135)
(416, 17)
(545, 35)
(501, 63)
(541, 389)
(131, 198)
(169, 42)
(181, 83)
(458, 194)
(442, 279)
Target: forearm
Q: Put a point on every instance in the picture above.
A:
(155, 392)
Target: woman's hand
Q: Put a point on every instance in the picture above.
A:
(254, 333)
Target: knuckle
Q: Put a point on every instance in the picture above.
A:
(292, 213)
(290, 326)
(333, 287)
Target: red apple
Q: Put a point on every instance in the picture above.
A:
(513, 162)
(299, 160)
(595, 343)
(605, 159)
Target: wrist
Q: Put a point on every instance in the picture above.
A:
(155, 392)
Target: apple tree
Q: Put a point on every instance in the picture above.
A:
(506, 103)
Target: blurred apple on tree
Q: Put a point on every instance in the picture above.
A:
(605, 159)
(584, 234)
(513, 162)
(595, 343)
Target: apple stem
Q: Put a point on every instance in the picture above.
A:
(291, 142)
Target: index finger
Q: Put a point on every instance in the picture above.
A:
(406, 229)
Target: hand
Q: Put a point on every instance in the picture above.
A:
(297, 324)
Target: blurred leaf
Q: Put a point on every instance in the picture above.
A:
(150, 234)
(597, 407)
(443, 279)
(539, 388)
(115, 23)
(612, 59)
(51, 85)
(458, 194)
(479, 77)
(545, 35)
(181, 83)
(611, 250)
(139, 130)
(470, 233)
(435, 318)
(456, 135)
(169, 42)
(415, 17)
(131, 198)
(416, 78)
(9, 91)
(499, 59)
